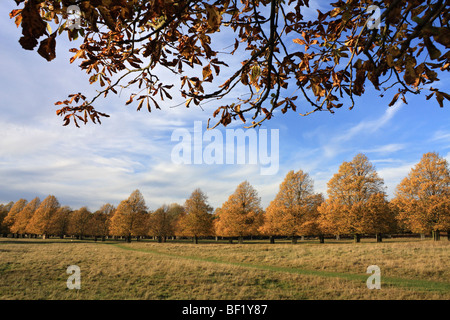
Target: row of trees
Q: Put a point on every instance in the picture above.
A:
(356, 204)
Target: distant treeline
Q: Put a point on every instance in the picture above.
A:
(356, 205)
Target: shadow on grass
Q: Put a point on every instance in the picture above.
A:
(41, 241)
(246, 242)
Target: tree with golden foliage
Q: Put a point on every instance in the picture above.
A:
(100, 221)
(423, 197)
(177, 210)
(79, 222)
(197, 218)
(293, 212)
(12, 214)
(24, 216)
(4, 210)
(130, 216)
(356, 201)
(162, 222)
(40, 222)
(241, 215)
(60, 222)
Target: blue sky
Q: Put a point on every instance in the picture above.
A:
(132, 150)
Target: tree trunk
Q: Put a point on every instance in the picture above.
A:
(302, 238)
(322, 239)
(195, 239)
(436, 235)
(448, 235)
(422, 236)
(230, 240)
(44, 236)
(338, 237)
(357, 237)
(379, 237)
(272, 239)
(103, 238)
(241, 240)
(128, 238)
(294, 239)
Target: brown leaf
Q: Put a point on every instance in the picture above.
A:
(28, 43)
(33, 27)
(299, 41)
(47, 48)
(394, 99)
(207, 73)
(213, 15)
(432, 50)
(440, 99)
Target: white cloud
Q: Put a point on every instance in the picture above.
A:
(386, 160)
(388, 148)
(393, 175)
(441, 136)
(447, 157)
(337, 143)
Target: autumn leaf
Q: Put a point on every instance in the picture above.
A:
(213, 15)
(394, 99)
(299, 41)
(432, 50)
(207, 74)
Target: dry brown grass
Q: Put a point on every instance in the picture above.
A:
(36, 269)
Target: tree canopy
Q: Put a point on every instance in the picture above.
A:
(241, 215)
(24, 216)
(253, 57)
(129, 217)
(18, 206)
(162, 222)
(196, 220)
(356, 201)
(423, 197)
(40, 222)
(293, 212)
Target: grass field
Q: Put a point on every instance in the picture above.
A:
(410, 269)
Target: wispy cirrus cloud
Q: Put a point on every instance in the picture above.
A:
(338, 143)
(441, 135)
(386, 149)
